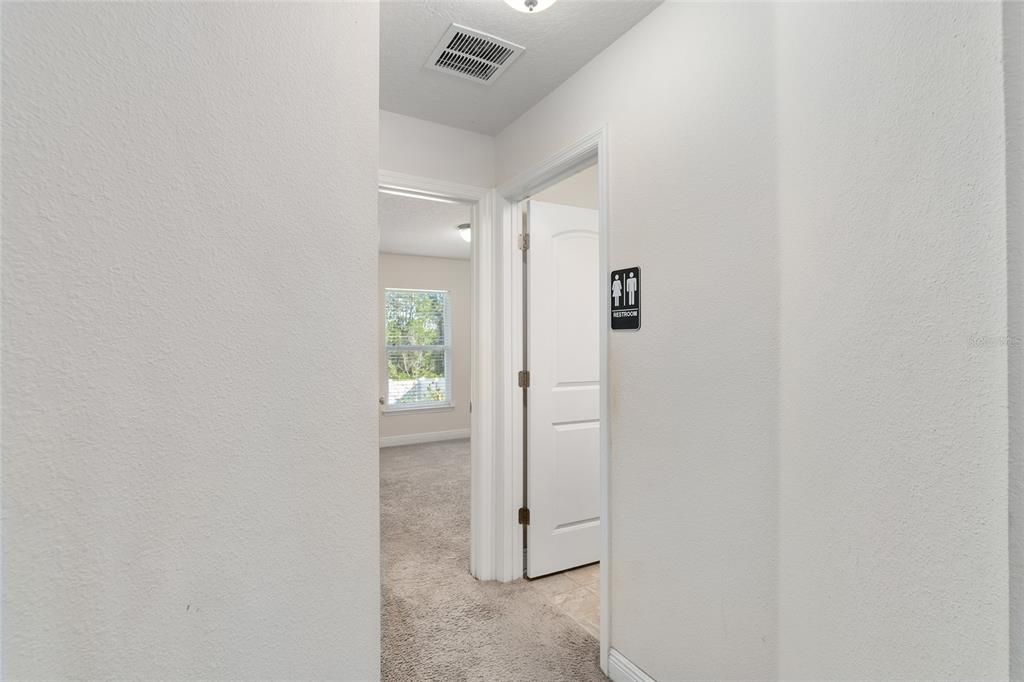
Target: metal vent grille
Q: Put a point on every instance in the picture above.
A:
(472, 54)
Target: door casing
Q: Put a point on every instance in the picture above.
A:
(482, 371)
(509, 420)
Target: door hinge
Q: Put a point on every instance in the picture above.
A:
(524, 516)
(524, 242)
(524, 379)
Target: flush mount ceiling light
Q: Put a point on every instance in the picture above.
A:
(530, 6)
(465, 232)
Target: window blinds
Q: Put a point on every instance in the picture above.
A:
(418, 348)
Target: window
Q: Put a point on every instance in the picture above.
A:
(417, 348)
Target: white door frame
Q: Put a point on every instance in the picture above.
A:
(482, 555)
(509, 416)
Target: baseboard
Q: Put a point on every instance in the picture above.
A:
(621, 669)
(414, 438)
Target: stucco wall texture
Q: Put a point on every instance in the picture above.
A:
(1013, 88)
(688, 100)
(893, 453)
(189, 464)
(816, 193)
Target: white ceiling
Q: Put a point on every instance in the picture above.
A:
(418, 227)
(558, 42)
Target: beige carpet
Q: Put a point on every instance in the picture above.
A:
(439, 623)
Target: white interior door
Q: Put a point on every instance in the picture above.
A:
(563, 400)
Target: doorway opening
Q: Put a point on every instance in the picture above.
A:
(499, 473)
(567, 425)
(561, 516)
(425, 303)
(438, 620)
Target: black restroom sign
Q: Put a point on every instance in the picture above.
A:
(625, 293)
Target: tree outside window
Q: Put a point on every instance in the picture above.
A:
(418, 349)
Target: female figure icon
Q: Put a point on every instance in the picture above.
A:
(616, 291)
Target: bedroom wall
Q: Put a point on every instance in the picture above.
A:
(445, 274)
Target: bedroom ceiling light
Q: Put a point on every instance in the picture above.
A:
(465, 232)
(530, 6)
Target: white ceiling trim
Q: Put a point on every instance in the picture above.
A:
(415, 185)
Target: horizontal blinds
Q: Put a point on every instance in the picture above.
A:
(418, 351)
(416, 318)
(417, 377)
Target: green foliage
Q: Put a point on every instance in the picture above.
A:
(415, 318)
(435, 392)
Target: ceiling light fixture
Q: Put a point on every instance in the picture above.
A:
(465, 232)
(530, 6)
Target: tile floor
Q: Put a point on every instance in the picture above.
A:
(574, 593)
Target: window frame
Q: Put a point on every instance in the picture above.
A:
(446, 404)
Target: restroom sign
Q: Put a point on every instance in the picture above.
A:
(625, 293)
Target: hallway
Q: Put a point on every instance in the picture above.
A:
(438, 622)
(245, 245)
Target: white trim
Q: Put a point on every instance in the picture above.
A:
(621, 669)
(509, 305)
(417, 195)
(507, 481)
(414, 438)
(446, 348)
(485, 402)
(390, 410)
(509, 428)
(604, 587)
(429, 188)
(561, 165)
(485, 352)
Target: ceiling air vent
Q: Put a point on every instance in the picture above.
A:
(474, 55)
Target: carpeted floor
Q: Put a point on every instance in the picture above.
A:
(439, 623)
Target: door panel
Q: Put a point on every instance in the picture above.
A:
(563, 404)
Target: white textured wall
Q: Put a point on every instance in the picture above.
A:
(451, 275)
(189, 453)
(576, 190)
(687, 97)
(894, 361)
(836, 172)
(1013, 86)
(431, 150)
